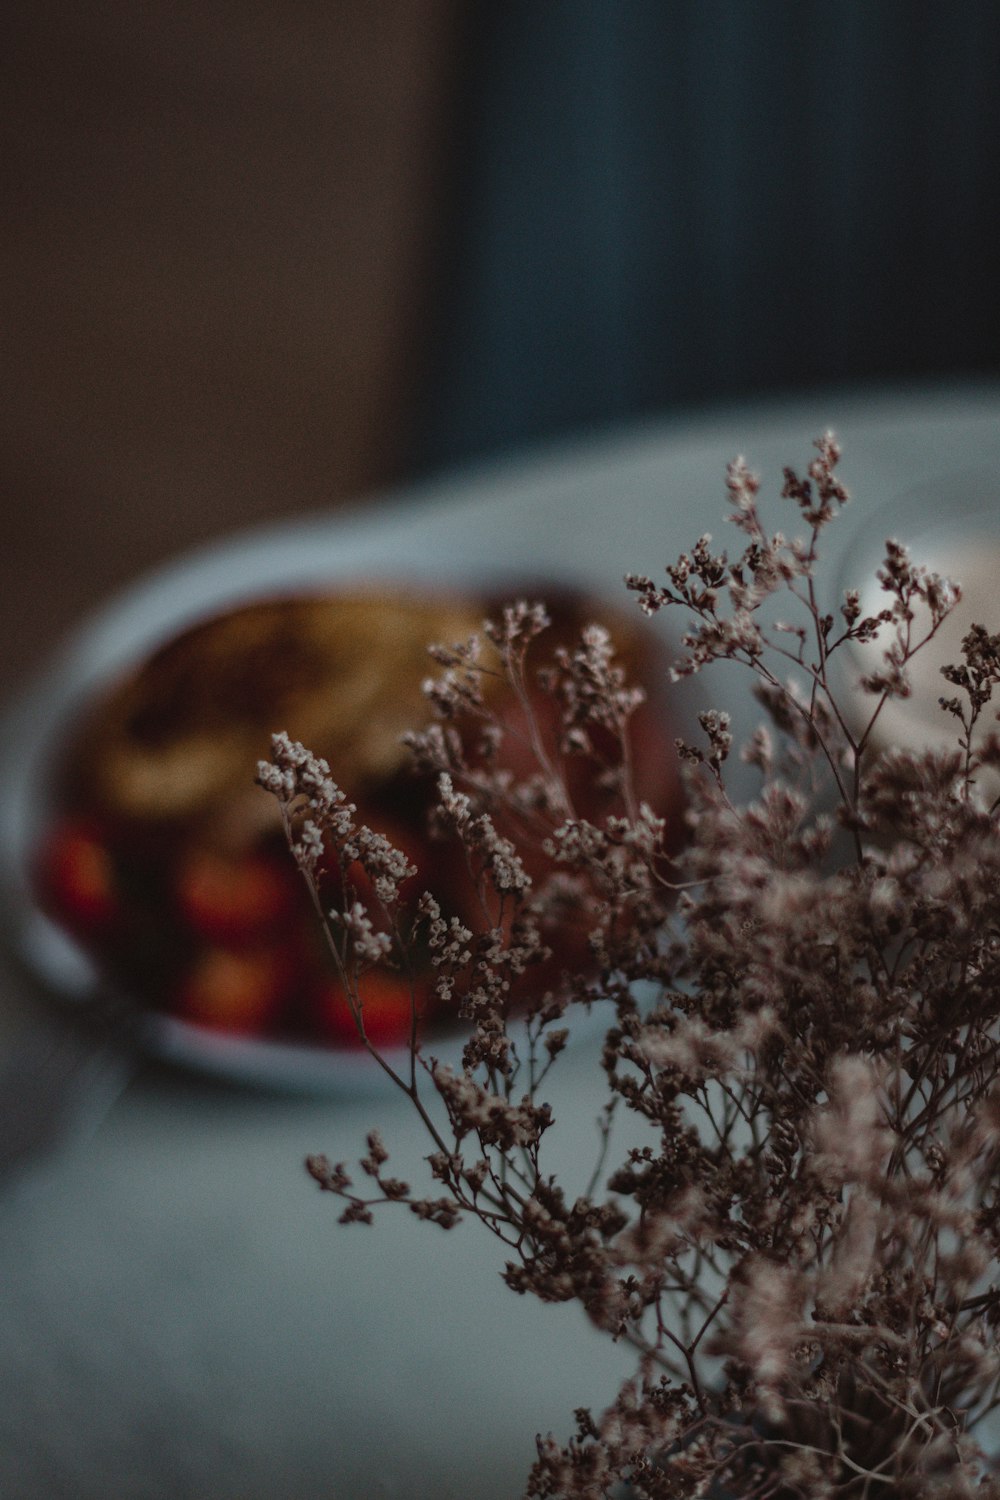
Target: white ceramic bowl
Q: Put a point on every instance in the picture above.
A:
(298, 557)
(951, 526)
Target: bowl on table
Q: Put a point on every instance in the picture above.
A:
(951, 526)
(139, 856)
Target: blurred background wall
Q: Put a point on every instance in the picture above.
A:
(217, 223)
(668, 202)
(264, 258)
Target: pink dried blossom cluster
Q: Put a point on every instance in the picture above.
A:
(803, 1246)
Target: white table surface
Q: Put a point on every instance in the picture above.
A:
(181, 1314)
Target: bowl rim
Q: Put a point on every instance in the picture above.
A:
(939, 521)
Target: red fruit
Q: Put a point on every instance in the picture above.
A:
(77, 878)
(236, 991)
(235, 902)
(386, 1007)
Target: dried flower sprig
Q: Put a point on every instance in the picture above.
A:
(803, 1245)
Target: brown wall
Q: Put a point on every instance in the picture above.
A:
(216, 224)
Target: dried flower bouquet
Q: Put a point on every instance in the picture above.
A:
(802, 1248)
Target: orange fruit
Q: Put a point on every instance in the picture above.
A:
(235, 902)
(77, 878)
(241, 991)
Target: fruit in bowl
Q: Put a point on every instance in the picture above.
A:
(169, 866)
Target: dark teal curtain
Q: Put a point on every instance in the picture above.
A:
(660, 204)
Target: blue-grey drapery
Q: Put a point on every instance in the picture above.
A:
(660, 202)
